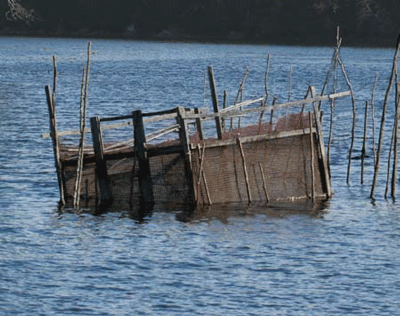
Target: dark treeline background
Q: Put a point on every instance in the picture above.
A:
(362, 22)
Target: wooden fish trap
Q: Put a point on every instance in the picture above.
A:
(275, 159)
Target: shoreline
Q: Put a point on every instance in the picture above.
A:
(166, 37)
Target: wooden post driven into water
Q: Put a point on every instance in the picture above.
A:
(215, 101)
(54, 137)
(101, 167)
(317, 118)
(145, 181)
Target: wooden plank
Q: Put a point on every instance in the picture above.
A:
(184, 137)
(321, 146)
(56, 147)
(101, 167)
(215, 101)
(145, 181)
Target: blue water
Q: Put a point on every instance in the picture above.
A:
(343, 259)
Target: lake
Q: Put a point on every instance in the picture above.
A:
(342, 258)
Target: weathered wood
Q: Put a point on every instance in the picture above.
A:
(239, 95)
(56, 147)
(199, 125)
(396, 140)
(383, 117)
(224, 106)
(363, 150)
(78, 178)
(215, 101)
(312, 160)
(255, 138)
(373, 116)
(264, 182)
(239, 105)
(202, 175)
(144, 176)
(101, 167)
(246, 177)
(317, 117)
(184, 137)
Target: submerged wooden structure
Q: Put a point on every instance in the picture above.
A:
(275, 158)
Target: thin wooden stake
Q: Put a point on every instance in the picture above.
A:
(224, 105)
(388, 165)
(396, 140)
(363, 150)
(312, 158)
(56, 147)
(215, 101)
(381, 131)
(373, 116)
(244, 169)
(264, 182)
(83, 111)
(199, 124)
(290, 83)
(202, 175)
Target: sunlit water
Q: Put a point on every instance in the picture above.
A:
(233, 260)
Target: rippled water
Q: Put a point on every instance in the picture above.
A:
(340, 258)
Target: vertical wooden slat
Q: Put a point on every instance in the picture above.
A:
(101, 167)
(54, 137)
(184, 137)
(264, 182)
(144, 176)
(215, 101)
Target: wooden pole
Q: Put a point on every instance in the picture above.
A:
(54, 79)
(363, 150)
(202, 174)
(101, 166)
(246, 177)
(290, 83)
(396, 141)
(388, 165)
(266, 81)
(312, 158)
(239, 96)
(264, 182)
(145, 181)
(224, 105)
(321, 146)
(215, 101)
(184, 137)
(381, 131)
(199, 124)
(373, 116)
(56, 147)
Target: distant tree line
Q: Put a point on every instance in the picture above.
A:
(374, 22)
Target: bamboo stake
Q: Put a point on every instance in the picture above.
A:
(246, 177)
(364, 142)
(202, 175)
(378, 155)
(332, 106)
(266, 81)
(84, 100)
(373, 116)
(396, 140)
(54, 79)
(215, 100)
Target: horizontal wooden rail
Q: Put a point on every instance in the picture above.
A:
(247, 139)
(156, 117)
(211, 116)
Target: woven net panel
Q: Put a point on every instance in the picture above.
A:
(285, 163)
